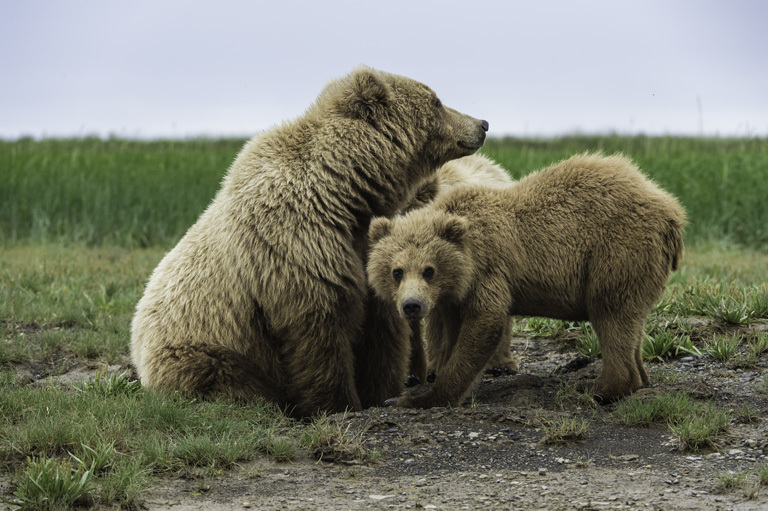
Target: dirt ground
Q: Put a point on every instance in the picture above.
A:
(491, 453)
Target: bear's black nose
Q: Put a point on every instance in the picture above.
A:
(411, 308)
(484, 125)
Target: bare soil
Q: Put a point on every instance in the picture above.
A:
(493, 452)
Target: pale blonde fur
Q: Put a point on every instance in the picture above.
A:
(590, 238)
(265, 295)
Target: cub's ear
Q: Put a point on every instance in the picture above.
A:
(367, 94)
(451, 228)
(379, 228)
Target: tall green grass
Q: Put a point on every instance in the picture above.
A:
(129, 193)
(139, 193)
(721, 182)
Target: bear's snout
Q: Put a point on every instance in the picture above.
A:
(412, 308)
(484, 124)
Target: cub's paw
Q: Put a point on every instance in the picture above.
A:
(413, 380)
(601, 392)
(401, 402)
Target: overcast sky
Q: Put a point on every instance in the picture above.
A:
(160, 68)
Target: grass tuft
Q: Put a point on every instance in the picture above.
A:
(331, 440)
(587, 344)
(564, 430)
(47, 484)
(722, 347)
(695, 424)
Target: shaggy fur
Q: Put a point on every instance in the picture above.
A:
(266, 295)
(587, 239)
(471, 170)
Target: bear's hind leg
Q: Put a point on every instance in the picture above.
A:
(318, 360)
(621, 345)
(209, 371)
(503, 360)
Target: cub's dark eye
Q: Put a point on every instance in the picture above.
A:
(397, 273)
(428, 273)
(438, 103)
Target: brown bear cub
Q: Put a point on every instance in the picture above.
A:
(472, 170)
(266, 294)
(590, 238)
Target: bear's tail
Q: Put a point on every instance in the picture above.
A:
(673, 244)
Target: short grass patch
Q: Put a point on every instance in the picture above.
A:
(564, 430)
(332, 440)
(542, 327)
(695, 424)
(723, 347)
(729, 304)
(587, 343)
(118, 435)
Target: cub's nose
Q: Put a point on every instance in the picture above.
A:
(484, 125)
(411, 308)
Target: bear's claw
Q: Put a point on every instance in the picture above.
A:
(391, 402)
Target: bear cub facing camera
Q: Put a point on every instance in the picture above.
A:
(472, 170)
(588, 239)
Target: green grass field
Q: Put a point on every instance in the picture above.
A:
(84, 222)
(139, 194)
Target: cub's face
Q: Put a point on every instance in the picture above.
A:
(417, 261)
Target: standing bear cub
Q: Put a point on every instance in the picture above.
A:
(589, 238)
(471, 170)
(266, 295)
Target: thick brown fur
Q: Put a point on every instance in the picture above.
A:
(266, 295)
(590, 238)
(472, 170)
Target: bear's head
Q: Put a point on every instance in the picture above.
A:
(418, 259)
(406, 115)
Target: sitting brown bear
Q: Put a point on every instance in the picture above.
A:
(266, 295)
(590, 238)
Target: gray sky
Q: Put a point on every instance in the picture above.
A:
(149, 68)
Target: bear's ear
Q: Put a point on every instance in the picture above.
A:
(379, 228)
(451, 228)
(366, 95)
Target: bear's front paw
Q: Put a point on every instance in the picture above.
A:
(413, 380)
(402, 402)
(602, 393)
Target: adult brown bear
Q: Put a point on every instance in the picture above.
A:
(266, 294)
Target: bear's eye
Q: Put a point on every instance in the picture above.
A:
(397, 273)
(428, 273)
